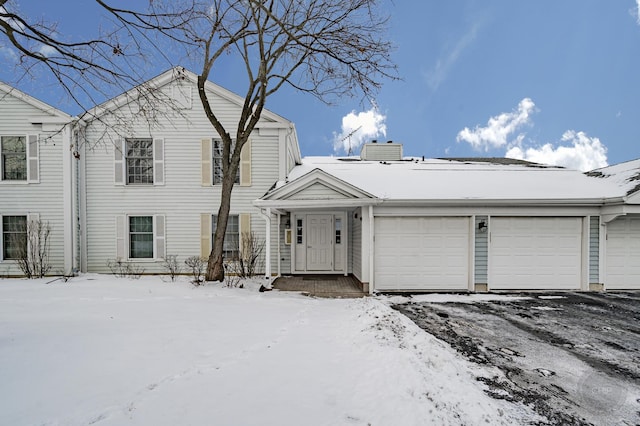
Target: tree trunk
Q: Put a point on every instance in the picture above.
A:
(215, 264)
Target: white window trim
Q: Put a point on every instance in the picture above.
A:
(157, 239)
(120, 162)
(28, 180)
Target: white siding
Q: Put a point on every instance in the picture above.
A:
(182, 198)
(356, 244)
(317, 191)
(44, 198)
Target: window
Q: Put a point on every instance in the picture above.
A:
(141, 237)
(299, 231)
(338, 222)
(231, 247)
(14, 157)
(14, 237)
(139, 161)
(217, 162)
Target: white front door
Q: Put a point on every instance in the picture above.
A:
(319, 242)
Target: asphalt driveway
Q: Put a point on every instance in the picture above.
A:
(574, 357)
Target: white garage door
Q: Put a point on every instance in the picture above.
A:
(535, 253)
(623, 254)
(421, 253)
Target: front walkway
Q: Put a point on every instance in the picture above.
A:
(321, 285)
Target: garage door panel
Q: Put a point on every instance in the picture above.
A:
(529, 253)
(623, 254)
(421, 253)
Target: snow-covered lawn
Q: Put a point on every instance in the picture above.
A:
(111, 351)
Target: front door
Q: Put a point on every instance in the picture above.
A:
(319, 242)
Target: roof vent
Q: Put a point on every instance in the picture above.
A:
(381, 152)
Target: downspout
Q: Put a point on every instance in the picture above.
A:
(67, 199)
(371, 250)
(278, 240)
(267, 260)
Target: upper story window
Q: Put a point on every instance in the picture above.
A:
(13, 150)
(14, 237)
(217, 162)
(139, 161)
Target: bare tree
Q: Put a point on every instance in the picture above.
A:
(32, 248)
(93, 69)
(327, 48)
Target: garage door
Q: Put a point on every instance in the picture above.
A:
(623, 254)
(421, 253)
(535, 253)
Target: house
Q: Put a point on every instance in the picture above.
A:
(34, 185)
(134, 180)
(469, 224)
(150, 186)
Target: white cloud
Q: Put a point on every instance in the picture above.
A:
(499, 129)
(358, 128)
(439, 73)
(8, 53)
(580, 152)
(47, 51)
(636, 12)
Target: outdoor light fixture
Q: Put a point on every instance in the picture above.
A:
(287, 224)
(482, 226)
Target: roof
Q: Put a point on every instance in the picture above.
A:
(625, 176)
(455, 180)
(169, 76)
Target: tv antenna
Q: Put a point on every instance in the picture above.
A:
(349, 137)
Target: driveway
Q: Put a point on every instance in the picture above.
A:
(574, 357)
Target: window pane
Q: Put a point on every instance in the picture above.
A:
(338, 222)
(299, 231)
(14, 237)
(218, 164)
(14, 157)
(139, 157)
(231, 246)
(141, 237)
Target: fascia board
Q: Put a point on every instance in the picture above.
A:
(318, 175)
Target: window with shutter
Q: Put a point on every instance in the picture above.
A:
(13, 157)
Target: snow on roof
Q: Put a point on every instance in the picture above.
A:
(443, 179)
(625, 176)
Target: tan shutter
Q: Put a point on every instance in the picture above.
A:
(158, 161)
(32, 220)
(121, 233)
(244, 227)
(205, 235)
(33, 166)
(205, 162)
(245, 164)
(159, 237)
(118, 161)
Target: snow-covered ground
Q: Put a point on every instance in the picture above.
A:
(112, 351)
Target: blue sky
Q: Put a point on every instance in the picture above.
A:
(552, 81)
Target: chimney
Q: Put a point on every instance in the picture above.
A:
(374, 151)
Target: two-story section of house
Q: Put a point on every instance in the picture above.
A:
(34, 185)
(151, 175)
